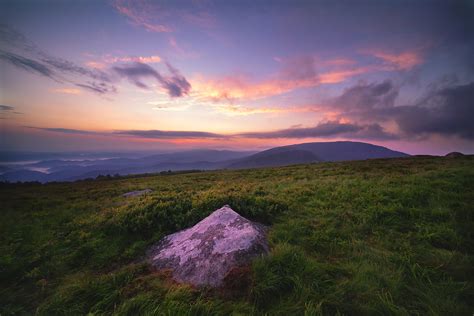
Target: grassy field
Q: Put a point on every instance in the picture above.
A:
(367, 237)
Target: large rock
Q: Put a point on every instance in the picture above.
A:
(204, 254)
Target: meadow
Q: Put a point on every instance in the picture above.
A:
(386, 236)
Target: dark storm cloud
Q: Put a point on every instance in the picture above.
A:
(175, 84)
(158, 134)
(367, 96)
(446, 109)
(374, 132)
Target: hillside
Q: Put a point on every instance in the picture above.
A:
(385, 236)
(314, 152)
(274, 158)
(73, 168)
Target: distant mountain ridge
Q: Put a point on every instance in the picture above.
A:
(70, 170)
(314, 152)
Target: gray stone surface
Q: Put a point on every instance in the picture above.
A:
(205, 253)
(136, 193)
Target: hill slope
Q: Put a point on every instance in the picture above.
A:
(313, 152)
(70, 170)
(390, 236)
(274, 158)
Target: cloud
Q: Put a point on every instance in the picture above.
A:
(140, 13)
(296, 73)
(141, 59)
(159, 134)
(337, 76)
(6, 108)
(304, 71)
(63, 130)
(12, 37)
(326, 129)
(72, 91)
(402, 61)
(171, 108)
(66, 66)
(375, 131)
(446, 109)
(107, 59)
(98, 87)
(322, 130)
(27, 64)
(365, 96)
(175, 84)
(180, 51)
(147, 134)
(34, 60)
(340, 62)
(240, 110)
(164, 18)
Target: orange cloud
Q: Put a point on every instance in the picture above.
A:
(237, 110)
(239, 87)
(112, 60)
(402, 61)
(340, 76)
(73, 91)
(339, 62)
(95, 64)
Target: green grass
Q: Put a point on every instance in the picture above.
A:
(369, 237)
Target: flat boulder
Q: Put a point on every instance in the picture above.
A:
(136, 193)
(204, 254)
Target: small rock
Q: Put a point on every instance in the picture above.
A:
(136, 193)
(204, 254)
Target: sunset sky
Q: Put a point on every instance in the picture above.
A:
(168, 75)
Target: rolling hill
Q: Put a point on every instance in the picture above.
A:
(315, 152)
(71, 170)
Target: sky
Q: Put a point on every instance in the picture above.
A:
(246, 75)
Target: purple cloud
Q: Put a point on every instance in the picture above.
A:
(327, 129)
(444, 110)
(158, 134)
(35, 60)
(27, 64)
(175, 84)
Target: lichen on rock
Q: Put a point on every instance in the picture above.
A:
(204, 254)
